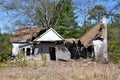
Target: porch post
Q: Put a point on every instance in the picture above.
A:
(25, 51)
(30, 51)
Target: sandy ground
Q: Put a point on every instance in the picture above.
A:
(61, 70)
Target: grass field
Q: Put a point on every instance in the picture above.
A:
(61, 70)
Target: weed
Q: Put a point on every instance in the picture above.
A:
(44, 59)
(81, 79)
(21, 61)
(5, 64)
(35, 64)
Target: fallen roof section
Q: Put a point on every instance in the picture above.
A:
(27, 34)
(71, 40)
(92, 34)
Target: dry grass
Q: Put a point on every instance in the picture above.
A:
(59, 70)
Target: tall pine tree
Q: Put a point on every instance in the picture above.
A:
(97, 12)
(64, 19)
(64, 14)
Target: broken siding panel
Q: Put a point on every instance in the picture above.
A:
(62, 53)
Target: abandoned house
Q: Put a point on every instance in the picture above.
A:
(36, 42)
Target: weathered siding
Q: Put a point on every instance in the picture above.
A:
(43, 49)
(60, 52)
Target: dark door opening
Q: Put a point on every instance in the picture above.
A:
(32, 51)
(28, 52)
(52, 53)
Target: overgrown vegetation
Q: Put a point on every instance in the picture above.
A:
(62, 71)
(114, 42)
(21, 60)
(5, 47)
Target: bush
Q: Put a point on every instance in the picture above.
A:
(114, 51)
(114, 42)
(5, 47)
(5, 65)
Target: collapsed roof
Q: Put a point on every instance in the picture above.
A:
(70, 40)
(27, 34)
(97, 31)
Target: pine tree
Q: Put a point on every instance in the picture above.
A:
(63, 20)
(97, 12)
(64, 14)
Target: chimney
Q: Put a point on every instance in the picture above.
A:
(105, 49)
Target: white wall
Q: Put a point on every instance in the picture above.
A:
(98, 49)
(16, 49)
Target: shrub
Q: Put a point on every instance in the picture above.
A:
(114, 51)
(5, 65)
(5, 48)
(114, 42)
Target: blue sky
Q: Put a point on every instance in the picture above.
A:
(6, 21)
(109, 4)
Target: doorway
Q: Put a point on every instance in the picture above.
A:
(52, 53)
(28, 52)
